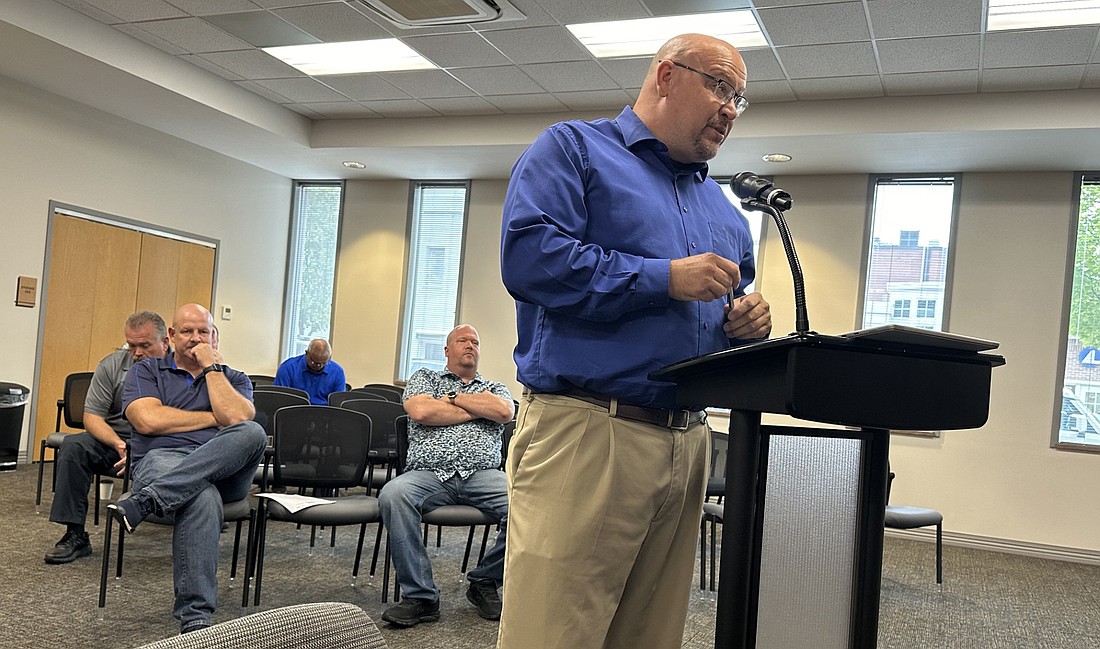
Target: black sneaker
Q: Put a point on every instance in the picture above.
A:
(71, 547)
(484, 596)
(411, 612)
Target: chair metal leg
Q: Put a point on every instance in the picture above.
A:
(702, 554)
(939, 552)
(106, 564)
(41, 470)
(96, 491)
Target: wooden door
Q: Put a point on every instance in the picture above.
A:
(98, 275)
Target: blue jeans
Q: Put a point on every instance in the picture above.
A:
(189, 485)
(410, 495)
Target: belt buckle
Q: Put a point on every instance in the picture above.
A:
(672, 419)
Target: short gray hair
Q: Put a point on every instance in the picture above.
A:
(142, 318)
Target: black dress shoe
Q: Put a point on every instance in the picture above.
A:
(411, 612)
(71, 547)
(484, 596)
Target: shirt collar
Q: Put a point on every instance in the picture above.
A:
(449, 374)
(637, 137)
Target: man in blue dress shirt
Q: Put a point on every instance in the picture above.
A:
(620, 252)
(314, 371)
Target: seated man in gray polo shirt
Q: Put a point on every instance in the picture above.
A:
(103, 446)
(195, 447)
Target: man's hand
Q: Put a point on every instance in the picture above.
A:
(120, 466)
(702, 277)
(748, 317)
(204, 354)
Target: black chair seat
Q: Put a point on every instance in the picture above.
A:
(343, 510)
(458, 516)
(905, 518)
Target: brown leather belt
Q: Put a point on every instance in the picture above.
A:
(674, 419)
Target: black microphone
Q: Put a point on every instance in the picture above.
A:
(760, 195)
(748, 185)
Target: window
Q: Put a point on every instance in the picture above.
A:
(314, 230)
(908, 251)
(1079, 416)
(437, 224)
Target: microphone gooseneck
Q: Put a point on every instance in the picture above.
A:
(760, 195)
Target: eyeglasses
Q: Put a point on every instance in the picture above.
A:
(722, 90)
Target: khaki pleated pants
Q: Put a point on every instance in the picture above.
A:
(603, 523)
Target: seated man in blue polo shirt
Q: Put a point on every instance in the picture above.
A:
(194, 448)
(314, 371)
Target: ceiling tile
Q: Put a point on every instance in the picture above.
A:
(573, 75)
(762, 65)
(341, 109)
(534, 16)
(612, 100)
(676, 7)
(400, 108)
(194, 35)
(302, 109)
(457, 50)
(628, 73)
(589, 11)
(1067, 77)
(205, 7)
(364, 87)
(929, 54)
(789, 3)
(302, 90)
(133, 10)
(1092, 77)
(541, 103)
(504, 80)
(553, 44)
(90, 11)
(198, 61)
(334, 22)
(905, 18)
(931, 83)
(462, 106)
(145, 37)
(840, 60)
(263, 92)
(1038, 47)
(252, 64)
(838, 88)
(811, 25)
(427, 83)
(769, 91)
(260, 28)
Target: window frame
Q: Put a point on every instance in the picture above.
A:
(949, 270)
(1079, 179)
(414, 186)
(286, 337)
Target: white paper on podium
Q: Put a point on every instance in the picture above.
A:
(294, 502)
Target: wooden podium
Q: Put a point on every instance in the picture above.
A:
(804, 507)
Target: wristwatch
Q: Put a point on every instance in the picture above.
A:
(216, 367)
(451, 396)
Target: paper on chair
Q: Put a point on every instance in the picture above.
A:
(293, 502)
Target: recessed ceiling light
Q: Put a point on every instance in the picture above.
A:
(1033, 14)
(777, 157)
(646, 35)
(380, 55)
(352, 164)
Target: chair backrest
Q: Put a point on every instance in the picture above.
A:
(383, 416)
(380, 393)
(338, 398)
(261, 379)
(505, 440)
(395, 391)
(281, 388)
(71, 406)
(267, 402)
(320, 446)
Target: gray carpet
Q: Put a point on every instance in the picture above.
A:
(988, 600)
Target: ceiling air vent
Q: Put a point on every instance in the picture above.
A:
(421, 13)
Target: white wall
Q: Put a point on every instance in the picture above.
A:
(51, 149)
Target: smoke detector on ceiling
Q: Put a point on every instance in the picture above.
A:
(422, 13)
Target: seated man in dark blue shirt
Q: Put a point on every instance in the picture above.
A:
(194, 448)
(314, 371)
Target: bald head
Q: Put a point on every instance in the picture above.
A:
(191, 326)
(678, 101)
(318, 355)
(463, 351)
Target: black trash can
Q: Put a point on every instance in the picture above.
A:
(13, 401)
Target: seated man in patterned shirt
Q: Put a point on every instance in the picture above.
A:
(456, 418)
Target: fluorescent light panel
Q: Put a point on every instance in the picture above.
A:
(1034, 14)
(619, 38)
(381, 55)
